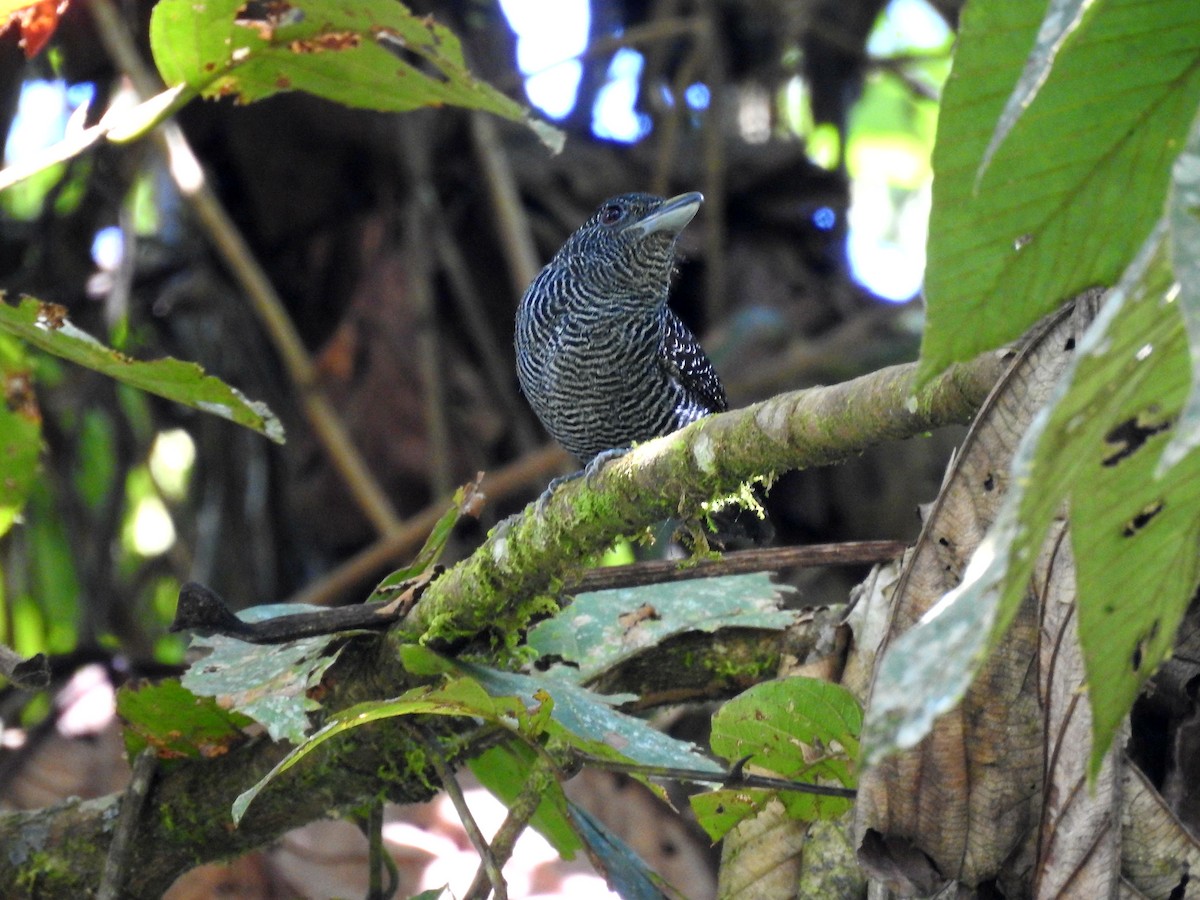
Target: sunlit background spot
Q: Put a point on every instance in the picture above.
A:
(890, 171)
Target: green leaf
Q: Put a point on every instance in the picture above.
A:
(45, 326)
(1061, 20)
(504, 770)
(602, 628)
(1080, 179)
(803, 729)
(20, 432)
(462, 697)
(369, 54)
(268, 683)
(431, 550)
(1097, 444)
(589, 716)
(177, 723)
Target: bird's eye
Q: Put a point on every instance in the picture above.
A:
(611, 214)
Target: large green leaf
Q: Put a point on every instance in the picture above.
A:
(1080, 178)
(336, 49)
(45, 326)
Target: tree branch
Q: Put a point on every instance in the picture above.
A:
(531, 555)
(59, 851)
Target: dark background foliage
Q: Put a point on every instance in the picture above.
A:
(400, 263)
(383, 238)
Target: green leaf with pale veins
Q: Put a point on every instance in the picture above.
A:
(45, 326)
(602, 628)
(368, 54)
(1079, 180)
(269, 683)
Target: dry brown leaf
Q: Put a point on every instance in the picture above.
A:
(962, 801)
(1078, 844)
(1158, 855)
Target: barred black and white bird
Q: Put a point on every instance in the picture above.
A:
(602, 359)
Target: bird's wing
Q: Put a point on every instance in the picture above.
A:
(685, 361)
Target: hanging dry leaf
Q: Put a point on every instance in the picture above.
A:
(1078, 840)
(957, 805)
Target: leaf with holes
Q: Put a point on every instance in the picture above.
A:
(1098, 445)
(600, 629)
(803, 729)
(268, 683)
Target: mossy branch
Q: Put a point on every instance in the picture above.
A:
(59, 851)
(530, 555)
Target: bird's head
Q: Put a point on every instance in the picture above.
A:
(628, 245)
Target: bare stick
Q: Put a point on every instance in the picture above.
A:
(231, 245)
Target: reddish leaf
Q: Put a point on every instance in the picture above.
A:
(36, 23)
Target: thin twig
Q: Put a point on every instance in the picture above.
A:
(713, 135)
(661, 29)
(487, 860)
(520, 811)
(419, 281)
(534, 468)
(470, 306)
(899, 69)
(671, 124)
(660, 571)
(512, 225)
(735, 777)
(231, 245)
(132, 801)
(379, 859)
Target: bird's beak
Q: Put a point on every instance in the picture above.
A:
(670, 218)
